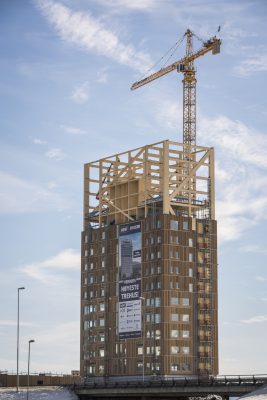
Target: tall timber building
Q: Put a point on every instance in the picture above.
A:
(149, 264)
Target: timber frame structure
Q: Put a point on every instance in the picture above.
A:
(121, 188)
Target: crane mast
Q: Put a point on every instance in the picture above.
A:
(189, 95)
(186, 66)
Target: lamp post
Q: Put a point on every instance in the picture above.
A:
(29, 356)
(19, 289)
(143, 335)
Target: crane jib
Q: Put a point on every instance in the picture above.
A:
(211, 45)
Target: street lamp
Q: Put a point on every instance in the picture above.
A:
(143, 334)
(19, 289)
(29, 354)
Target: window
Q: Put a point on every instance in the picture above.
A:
(159, 239)
(86, 310)
(102, 292)
(102, 353)
(190, 287)
(185, 225)
(190, 242)
(185, 302)
(185, 367)
(85, 280)
(174, 301)
(91, 251)
(85, 295)
(174, 333)
(101, 322)
(86, 325)
(102, 278)
(185, 334)
(148, 302)
(101, 369)
(91, 278)
(174, 317)
(174, 349)
(86, 267)
(159, 254)
(103, 250)
(102, 306)
(158, 223)
(85, 253)
(185, 350)
(185, 317)
(148, 350)
(174, 225)
(91, 265)
(157, 350)
(103, 264)
(103, 235)
(190, 257)
(158, 285)
(157, 318)
(140, 350)
(157, 334)
(175, 367)
(139, 365)
(157, 301)
(190, 272)
(101, 337)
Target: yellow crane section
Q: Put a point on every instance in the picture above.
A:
(186, 66)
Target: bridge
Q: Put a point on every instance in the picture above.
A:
(183, 388)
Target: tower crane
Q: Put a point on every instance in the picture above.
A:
(186, 66)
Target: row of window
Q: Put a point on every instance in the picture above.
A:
(174, 225)
(93, 308)
(91, 294)
(93, 323)
(175, 301)
(150, 350)
(175, 334)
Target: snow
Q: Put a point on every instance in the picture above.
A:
(38, 393)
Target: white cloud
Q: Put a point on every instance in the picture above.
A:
(56, 154)
(50, 270)
(234, 137)
(39, 141)
(252, 65)
(80, 93)
(140, 5)
(253, 248)
(255, 320)
(72, 130)
(241, 162)
(260, 278)
(84, 31)
(20, 196)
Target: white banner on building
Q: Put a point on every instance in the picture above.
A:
(130, 251)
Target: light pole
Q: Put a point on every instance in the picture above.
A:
(29, 356)
(143, 335)
(19, 289)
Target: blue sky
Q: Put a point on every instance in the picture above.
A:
(66, 70)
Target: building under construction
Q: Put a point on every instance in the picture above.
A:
(149, 257)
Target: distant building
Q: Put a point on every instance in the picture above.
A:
(149, 264)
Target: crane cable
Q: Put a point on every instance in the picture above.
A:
(173, 49)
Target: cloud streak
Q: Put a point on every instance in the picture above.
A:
(19, 196)
(49, 271)
(255, 320)
(84, 31)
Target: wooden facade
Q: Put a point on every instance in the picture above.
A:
(169, 187)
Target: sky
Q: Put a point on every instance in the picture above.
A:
(66, 70)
